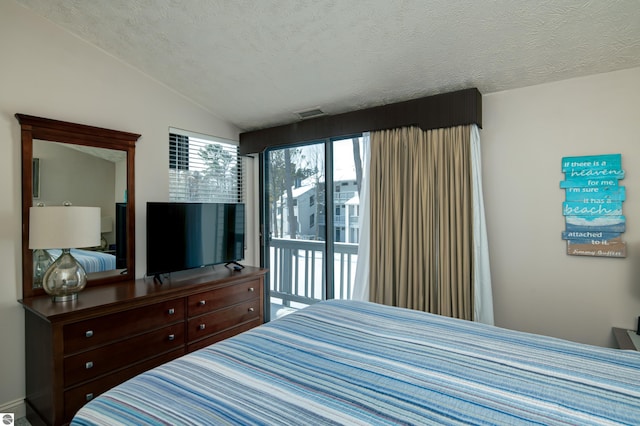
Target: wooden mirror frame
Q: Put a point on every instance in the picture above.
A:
(60, 131)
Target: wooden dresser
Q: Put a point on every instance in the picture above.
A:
(77, 350)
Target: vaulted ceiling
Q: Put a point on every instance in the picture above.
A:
(256, 63)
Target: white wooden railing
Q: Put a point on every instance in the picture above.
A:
(298, 271)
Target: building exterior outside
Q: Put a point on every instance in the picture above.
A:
(309, 211)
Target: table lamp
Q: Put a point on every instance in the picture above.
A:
(64, 227)
(106, 225)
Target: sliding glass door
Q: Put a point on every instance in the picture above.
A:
(310, 222)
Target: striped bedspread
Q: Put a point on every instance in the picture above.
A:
(358, 363)
(91, 261)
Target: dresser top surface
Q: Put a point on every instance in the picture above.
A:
(137, 292)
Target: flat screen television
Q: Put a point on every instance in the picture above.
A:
(184, 236)
(121, 235)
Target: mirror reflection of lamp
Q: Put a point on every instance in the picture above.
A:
(41, 262)
(64, 227)
(106, 226)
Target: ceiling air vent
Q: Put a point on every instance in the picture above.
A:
(310, 113)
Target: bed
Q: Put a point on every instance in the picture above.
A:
(91, 261)
(347, 362)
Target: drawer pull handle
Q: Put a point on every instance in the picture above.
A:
(89, 396)
(201, 327)
(202, 302)
(252, 289)
(88, 333)
(172, 337)
(251, 309)
(172, 311)
(88, 365)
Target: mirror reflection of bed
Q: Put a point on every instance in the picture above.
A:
(91, 260)
(87, 176)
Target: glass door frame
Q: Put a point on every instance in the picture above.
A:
(329, 208)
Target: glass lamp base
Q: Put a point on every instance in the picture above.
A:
(64, 278)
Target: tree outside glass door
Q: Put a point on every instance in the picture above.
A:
(302, 184)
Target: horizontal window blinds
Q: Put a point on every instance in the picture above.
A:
(204, 169)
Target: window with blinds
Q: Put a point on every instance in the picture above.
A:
(203, 169)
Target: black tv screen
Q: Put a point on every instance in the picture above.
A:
(121, 235)
(192, 235)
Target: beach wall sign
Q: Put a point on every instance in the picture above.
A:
(593, 205)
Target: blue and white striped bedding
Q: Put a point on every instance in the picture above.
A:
(91, 261)
(341, 362)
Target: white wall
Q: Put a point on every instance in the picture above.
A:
(537, 287)
(47, 72)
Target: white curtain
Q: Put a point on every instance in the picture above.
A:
(361, 285)
(483, 295)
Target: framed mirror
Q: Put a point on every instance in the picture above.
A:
(87, 166)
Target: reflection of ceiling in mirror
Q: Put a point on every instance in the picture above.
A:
(112, 155)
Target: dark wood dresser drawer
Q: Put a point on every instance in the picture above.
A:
(89, 333)
(222, 319)
(219, 298)
(76, 397)
(225, 334)
(90, 364)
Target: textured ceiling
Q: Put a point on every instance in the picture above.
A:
(256, 62)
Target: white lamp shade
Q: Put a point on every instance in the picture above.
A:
(64, 227)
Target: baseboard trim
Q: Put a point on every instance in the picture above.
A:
(17, 407)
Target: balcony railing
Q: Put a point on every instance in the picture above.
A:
(297, 271)
(343, 197)
(341, 220)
